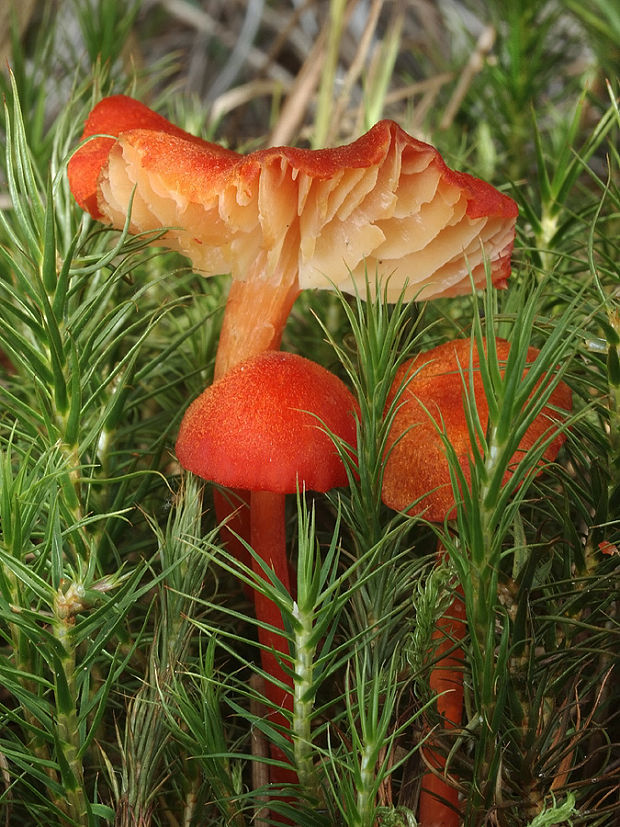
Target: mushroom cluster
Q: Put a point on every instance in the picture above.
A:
(281, 220)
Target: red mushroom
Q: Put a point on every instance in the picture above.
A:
(263, 427)
(284, 219)
(429, 393)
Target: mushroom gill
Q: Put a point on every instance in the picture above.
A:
(325, 217)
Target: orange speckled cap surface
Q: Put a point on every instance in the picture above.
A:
(417, 466)
(261, 426)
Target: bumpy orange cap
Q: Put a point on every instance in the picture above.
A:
(432, 401)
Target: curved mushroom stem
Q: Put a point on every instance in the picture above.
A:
(268, 540)
(439, 802)
(254, 319)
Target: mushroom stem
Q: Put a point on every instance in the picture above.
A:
(268, 540)
(439, 800)
(254, 319)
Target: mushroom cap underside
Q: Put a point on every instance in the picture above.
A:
(431, 403)
(327, 218)
(264, 426)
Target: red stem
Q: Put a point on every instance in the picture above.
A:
(439, 803)
(268, 540)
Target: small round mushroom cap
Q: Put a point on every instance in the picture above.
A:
(262, 426)
(417, 468)
(386, 202)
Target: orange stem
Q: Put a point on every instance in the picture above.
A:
(439, 803)
(254, 319)
(234, 507)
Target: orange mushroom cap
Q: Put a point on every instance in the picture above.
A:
(261, 427)
(325, 217)
(417, 467)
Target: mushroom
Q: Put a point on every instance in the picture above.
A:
(284, 219)
(265, 427)
(429, 395)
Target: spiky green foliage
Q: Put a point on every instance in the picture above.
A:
(130, 684)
